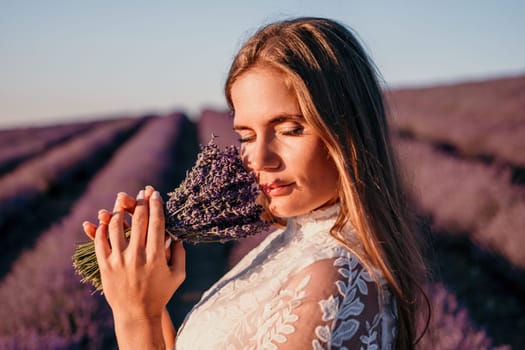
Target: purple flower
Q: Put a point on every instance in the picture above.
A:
(216, 202)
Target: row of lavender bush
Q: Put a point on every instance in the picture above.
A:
(464, 196)
(479, 118)
(450, 327)
(68, 317)
(35, 177)
(44, 305)
(41, 134)
(19, 145)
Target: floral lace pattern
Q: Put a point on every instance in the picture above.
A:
(299, 289)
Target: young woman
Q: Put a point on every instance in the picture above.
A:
(345, 272)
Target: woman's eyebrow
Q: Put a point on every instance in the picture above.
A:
(282, 118)
(240, 127)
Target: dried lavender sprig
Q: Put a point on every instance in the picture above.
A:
(216, 202)
(217, 192)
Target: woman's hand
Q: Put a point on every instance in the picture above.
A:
(138, 277)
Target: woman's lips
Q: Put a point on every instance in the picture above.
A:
(277, 189)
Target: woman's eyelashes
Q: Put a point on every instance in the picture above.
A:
(247, 138)
(296, 131)
(284, 129)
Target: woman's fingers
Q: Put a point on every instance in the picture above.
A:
(117, 237)
(178, 261)
(155, 242)
(139, 222)
(126, 202)
(138, 280)
(89, 229)
(116, 224)
(149, 190)
(167, 248)
(102, 248)
(104, 216)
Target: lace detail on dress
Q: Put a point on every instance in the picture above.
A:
(298, 289)
(346, 308)
(278, 325)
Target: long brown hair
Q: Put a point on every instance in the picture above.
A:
(339, 94)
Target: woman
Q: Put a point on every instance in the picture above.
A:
(346, 271)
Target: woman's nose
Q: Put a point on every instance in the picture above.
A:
(262, 156)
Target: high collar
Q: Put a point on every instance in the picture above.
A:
(328, 213)
(309, 224)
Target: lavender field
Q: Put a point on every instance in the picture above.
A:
(463, 154)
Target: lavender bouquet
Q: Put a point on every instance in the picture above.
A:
(216, 202)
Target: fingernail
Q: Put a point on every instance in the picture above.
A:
(85, 223)
(140, 195)
(149, 187)
(116, 206)
(155, 195)
(167, 243)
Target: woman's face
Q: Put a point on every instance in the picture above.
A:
(289, 158)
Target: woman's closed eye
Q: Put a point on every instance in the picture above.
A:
(246, 138)
(291, 130)
(285, 129)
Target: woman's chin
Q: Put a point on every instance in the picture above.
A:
(286, 209)
(279, 210)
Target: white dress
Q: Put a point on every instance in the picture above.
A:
(299, 289)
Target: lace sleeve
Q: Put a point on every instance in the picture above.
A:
(332, 303)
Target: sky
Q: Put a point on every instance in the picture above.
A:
(63, 61)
